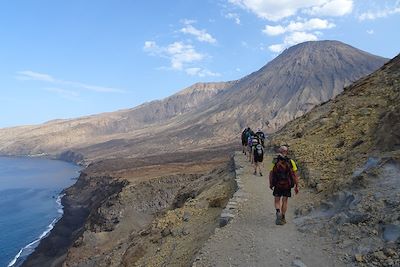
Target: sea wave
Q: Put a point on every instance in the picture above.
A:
(28, 249)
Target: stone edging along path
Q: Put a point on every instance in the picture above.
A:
(249, 236)
(238, 197)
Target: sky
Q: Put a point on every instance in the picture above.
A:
(70, 58)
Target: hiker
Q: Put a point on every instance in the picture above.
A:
(245, 137)
(253, 141)
(261, 136)
(258, 156)
(282, 178)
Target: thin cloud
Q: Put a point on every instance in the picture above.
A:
(201, 35)
(274, 10)
(36, 76)
(370, 31)
(178, 53)
(293, 39)
(298, 26)
(383, 13)
(181, 56)
(201, 72)
(334, 8)
(233, 16)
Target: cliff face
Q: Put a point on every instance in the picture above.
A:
(80, 201)
(348, 150)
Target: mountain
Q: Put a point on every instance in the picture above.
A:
(301, 77)
(348, 151)
(59, 135)
(204, 115)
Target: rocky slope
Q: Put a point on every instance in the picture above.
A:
(154, 212)
(348, 150)
(204, 115)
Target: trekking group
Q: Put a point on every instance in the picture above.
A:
(283, 174)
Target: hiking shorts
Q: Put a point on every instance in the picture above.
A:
(282, 192)
(258, 158)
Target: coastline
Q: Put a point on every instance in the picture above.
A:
(24, 252)
(78, 201)
(28, 248)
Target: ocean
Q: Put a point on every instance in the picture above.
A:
(30, 203)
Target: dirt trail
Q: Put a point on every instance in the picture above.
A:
(253, 239)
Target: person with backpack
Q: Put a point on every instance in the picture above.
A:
(258, 156)
(282, 178)
(253, 142)
(245, 137)
(261, 136)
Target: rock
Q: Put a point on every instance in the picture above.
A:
(186, 216)
(78, 242)
(185, 231)
(319, 187)
(323, 121)
(340, 144)
(225, 219)
(358, 258)
(298, 135)
(339, 158)
(175, 232)
(380, 255)
(145, 232)
(166, 232)
(389, 252)
(298, 263)
(357, 143)
(357, 218)
(365, 112)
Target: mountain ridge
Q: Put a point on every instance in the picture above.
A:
(205, 114)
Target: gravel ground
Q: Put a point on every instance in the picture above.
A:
(253, 239)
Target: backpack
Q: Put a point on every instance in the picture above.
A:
(282, 173)
(247, 135)
(255, 141)
(244, 133)
(259, 153)
(261, 136)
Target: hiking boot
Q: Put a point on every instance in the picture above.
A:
(278, 220)
(260, 173)
(283, 220)
(255, 173)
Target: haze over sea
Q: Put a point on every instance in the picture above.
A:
(29, 203)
